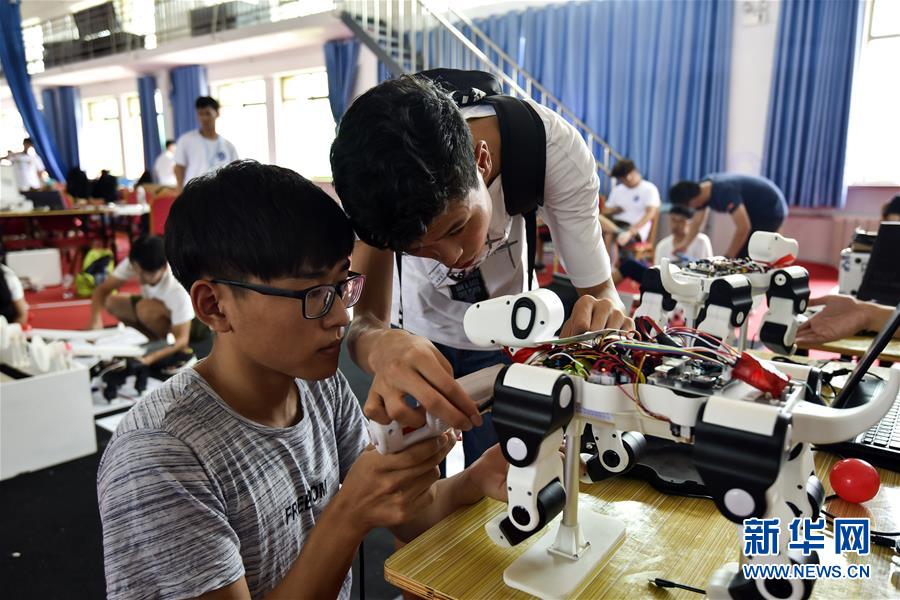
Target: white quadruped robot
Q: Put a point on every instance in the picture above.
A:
(717, 294)
(751, 425)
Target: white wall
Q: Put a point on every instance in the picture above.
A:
(752, 58)
(752, 63)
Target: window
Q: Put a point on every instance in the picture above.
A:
(243, 119)
(100, 142)
(133, 137)
(874, 118)
(306, 130)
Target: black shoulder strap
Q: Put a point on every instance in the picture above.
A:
(523, 166)
(398, 260)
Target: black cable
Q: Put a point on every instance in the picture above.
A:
(665, 583)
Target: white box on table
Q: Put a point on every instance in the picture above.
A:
(42, 267)
(45, 420)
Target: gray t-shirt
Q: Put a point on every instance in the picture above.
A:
(193, 495)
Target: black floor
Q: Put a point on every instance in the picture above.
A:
(50, 536)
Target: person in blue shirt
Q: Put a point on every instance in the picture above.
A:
(754, 203)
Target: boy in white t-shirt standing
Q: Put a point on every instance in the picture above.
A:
(163, 307)
(28, 167)
(203, 150)
(633, 203)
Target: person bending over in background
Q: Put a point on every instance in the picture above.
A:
(842, 316)
(163, 307)
(632, 204)
(251, 475)
(754, 203)
(202, 150)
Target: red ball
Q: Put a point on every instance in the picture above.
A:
(854, 480)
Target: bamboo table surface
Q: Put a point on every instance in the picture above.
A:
(67, 212)
(857, 346)
(681, 539)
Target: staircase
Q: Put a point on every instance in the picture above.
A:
(414, 35)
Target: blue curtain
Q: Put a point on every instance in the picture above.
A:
(188, 84)
(651, 77)
(12, 58)
(383, 73)
(62, 110)
(809, 107)
(341, 62)
(149, 122)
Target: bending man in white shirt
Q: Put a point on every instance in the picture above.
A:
(422, 180)
(202, 150)
(163, 307)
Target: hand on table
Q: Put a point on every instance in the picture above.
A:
(594, 314)
(409, 364)
(843, 316)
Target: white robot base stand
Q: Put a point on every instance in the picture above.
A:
(561, 561)
(541, 571)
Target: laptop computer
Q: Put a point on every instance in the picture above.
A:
(46, 199)
(881, 281)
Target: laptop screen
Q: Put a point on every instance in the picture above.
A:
(881, 281)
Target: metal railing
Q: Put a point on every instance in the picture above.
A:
(410, 36)
(117, 26)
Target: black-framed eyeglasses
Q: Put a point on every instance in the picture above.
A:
(317, 300)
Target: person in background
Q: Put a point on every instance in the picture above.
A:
(842, 316)
(28, 167)
(891, 210)
(202, 150)
(679, 223)
(754, 203)
(12, 295)
(632, 204)
(163, 307)
(106, 187)
(680, 218)
(164, 166)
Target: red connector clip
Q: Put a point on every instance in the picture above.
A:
(761, 376)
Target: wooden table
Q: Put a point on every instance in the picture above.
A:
(681, 539)
(857, 346)
(68, 212)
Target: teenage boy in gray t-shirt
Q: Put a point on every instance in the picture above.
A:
(250, 476)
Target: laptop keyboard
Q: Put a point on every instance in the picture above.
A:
(885, 433)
